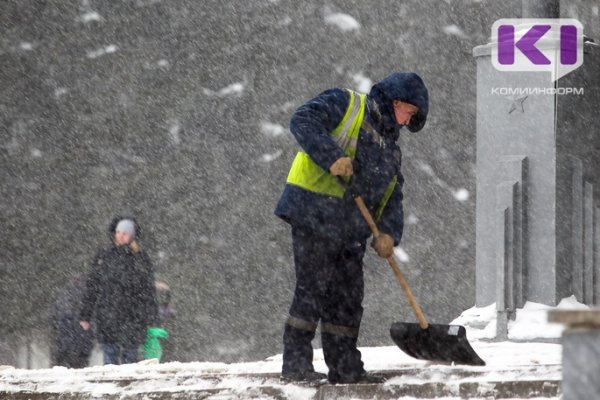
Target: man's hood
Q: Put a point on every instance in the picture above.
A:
(407, 87)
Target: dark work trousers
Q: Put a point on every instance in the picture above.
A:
(329, 288)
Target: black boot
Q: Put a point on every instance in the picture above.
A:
(305, 376)
(363, 378)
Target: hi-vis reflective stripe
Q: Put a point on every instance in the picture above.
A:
(339, 330)
(310, 176)
(347, 131)
(301, 324)
(386, 197)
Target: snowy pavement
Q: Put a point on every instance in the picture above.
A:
(520, 370)
(517, 369)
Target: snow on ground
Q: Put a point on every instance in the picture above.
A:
(531, 321)
(506, 361)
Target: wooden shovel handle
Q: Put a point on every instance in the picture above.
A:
(408, 293)
(392, 261)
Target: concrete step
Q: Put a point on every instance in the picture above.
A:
(513, 371)
(433, 382)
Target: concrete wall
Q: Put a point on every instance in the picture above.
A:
(578, 150)
(526, 131)
(536, 225)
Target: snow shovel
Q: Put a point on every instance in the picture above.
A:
(433, 342)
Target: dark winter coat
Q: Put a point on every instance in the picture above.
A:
(376, 161)
(120, 296)
(63, 317)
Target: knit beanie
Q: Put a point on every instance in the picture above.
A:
(127, 226)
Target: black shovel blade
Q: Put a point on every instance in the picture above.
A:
(442, 343)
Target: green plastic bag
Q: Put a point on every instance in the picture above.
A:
(152, 347)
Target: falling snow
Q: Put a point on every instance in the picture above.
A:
(272, 156)
(102, 51)
(454, 30)
(342, 21)
(179, 114)
(174, 132)
(271, 129)
(90, 16)
(401, 254)
(235, 90)
(59, 92)
(412, 219)
(362, 83)
(461, 195)
(26, 46)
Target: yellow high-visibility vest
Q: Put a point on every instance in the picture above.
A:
(308, 175)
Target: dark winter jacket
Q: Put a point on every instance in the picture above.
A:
(376, 161)
(120, 296)
(63, 317)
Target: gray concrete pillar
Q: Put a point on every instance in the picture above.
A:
(514, 169)
(556, 139)
(505, 255)
(588, 243)
(580, 353)
(577, 228)
(597, 256)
